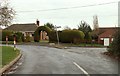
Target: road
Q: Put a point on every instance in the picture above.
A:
(46, 60)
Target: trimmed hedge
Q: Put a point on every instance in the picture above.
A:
(67, 36)
(7, 33)
(53, 36)
(71, 36)
(38, 30)
(19, 36)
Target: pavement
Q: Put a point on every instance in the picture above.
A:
(75, 60)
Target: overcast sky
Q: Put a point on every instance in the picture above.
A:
(29, 10)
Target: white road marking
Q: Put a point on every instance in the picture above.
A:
(85, 72)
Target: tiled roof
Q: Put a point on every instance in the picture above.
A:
(22, 27)
(107, 32)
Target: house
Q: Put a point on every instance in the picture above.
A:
(106, 35)
(26, 29)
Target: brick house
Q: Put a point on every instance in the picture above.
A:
(26, 29)
(106, 35)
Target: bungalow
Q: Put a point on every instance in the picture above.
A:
(26, 29)
(106, 35)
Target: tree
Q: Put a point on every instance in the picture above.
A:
(6, 15)
(115, 46)
(85, 28)
(67, 28)
(95, 23)
(95, 32)
(50, 25)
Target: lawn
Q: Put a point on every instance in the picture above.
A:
(9, 42)
(83, 45)
(8, 54)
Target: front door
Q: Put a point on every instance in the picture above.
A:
(106, 41)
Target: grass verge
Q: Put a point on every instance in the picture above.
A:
(82, 45)
(8, 54)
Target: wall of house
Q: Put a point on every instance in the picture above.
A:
(102, 40)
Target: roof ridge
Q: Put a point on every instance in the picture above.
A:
(22, 23)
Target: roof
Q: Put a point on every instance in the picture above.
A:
(107, 32)
(22, 27)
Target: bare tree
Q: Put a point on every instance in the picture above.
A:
(95, 23)
(67, 28)
(6, 15)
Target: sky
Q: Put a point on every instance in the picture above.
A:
(27, 11)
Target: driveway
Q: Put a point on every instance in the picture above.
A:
(46, 60)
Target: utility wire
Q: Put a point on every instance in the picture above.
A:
(70, 7)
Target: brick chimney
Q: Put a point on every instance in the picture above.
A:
(37, 22)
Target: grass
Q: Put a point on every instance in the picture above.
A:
(44, 41)
(83, 45)
(8, 54)
(9, 42)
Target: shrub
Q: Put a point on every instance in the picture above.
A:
(88, 37)
(27, 38)
(19, 36)
(38, 30)
(53, 36)
(7, 33)
(71, 36)
(115, 46)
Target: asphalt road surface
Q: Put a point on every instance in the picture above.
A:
(46, 60)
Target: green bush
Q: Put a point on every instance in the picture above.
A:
(38, 30)
(7, 33)
(27, 38)
(71, 36)
(88, 38)
(115, 46)
(19, 36)
(53, 36)
(67, 36)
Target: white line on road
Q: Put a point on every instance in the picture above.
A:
(85, 72)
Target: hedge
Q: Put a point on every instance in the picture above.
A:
(7, 33)
(19, 36)
(53, 36)
(67, 36)
(38, 30)
(71, 36)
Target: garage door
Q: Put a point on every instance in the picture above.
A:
(106, 42)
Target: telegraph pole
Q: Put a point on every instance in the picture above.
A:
(57, 33)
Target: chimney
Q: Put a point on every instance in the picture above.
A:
(37, 22)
